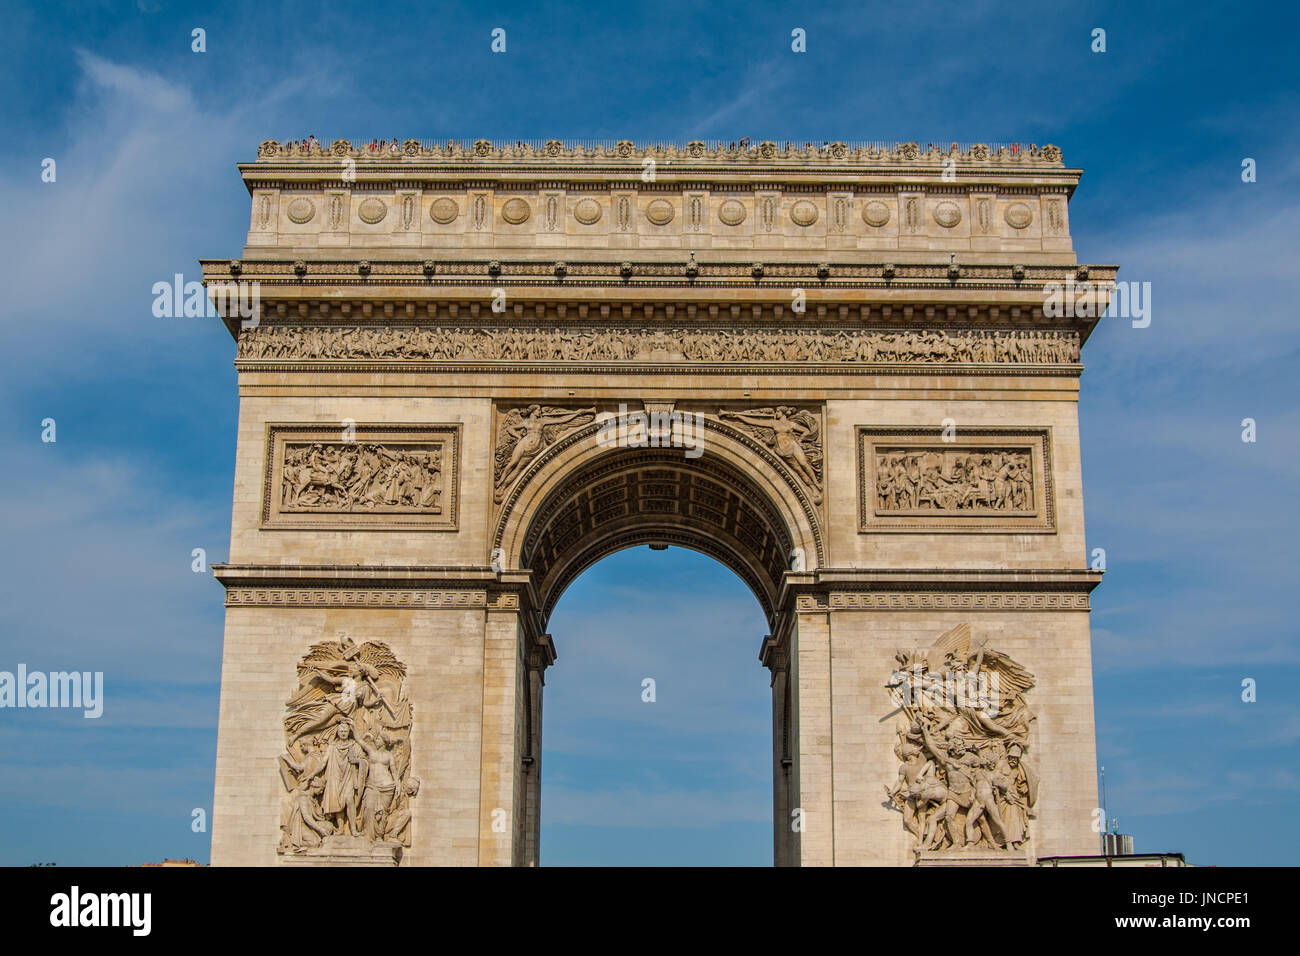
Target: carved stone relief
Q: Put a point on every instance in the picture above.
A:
(587, 211)
(542, 344)
(516, 211)
(372, 211)
(371, 476)
(803, 213)
(839, 214)
(875, 214)
(346, 766)
(327, 477)
(659, 212)
(911, 214)
(444, 210)
(965, 781)
(694, 213)
(947, 214)
(1018, 215)
(1055, 215)
(967, 479)
(301, 210)
(524, 433)
(983, 481)
(794, 434)
(732, 212)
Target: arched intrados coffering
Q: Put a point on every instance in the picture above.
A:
(626, 497)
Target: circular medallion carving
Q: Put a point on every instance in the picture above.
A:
(875, 213)
(1018, 215)
(516, 211)
(732, 212)
(947, 214)
(803, 213)
(372, 210)
(444, 210)
(659, 212)
(587, 211)
(301, 210)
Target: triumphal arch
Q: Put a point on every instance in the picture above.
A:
(472, 370)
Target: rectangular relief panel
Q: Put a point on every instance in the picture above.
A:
(976, 479)
(361, 478)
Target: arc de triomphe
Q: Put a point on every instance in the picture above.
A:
(473, 371)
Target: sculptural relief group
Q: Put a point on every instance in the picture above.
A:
(965, 782)
(540, 344)
(346, 766)
(986, 479)
(347, 476)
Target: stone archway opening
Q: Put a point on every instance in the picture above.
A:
(656, 745)
(582, 503)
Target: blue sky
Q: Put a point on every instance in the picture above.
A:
(1199, 527)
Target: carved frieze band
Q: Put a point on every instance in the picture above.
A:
(948, 479)
(841, 601)
(959, 601)
(551, 344)
(350, 477)
(354, 597)
(503, 601)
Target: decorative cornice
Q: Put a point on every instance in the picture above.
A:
(438, 274)
(883, 295)
(398, 586)
(867, 579)
(666, 368)
(361, 576)
(922, 589)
